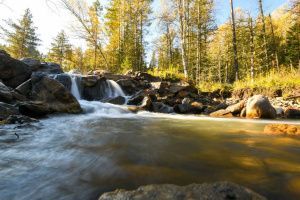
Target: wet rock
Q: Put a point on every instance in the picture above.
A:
(146, 103)
(89, 81)
(136, 100)
(19, 119)
(53, 94)
(215, 191)
(259, 106)
(161, 108)
(221, 113)
(5, 93)
(34, 109)
(291, 113)
(13, 72)
(117, 100)
(182, 108)
(96, 92)
(6, 110)
(282, 129)
(129, 86)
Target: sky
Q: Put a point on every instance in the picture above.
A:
(50, 19)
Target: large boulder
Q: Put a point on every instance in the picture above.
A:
(34, 64)
(129, 86)
(97, 91)
(13, 72)
(259, 106)
(5, 93)
(25, 88)
(214, 191)
(34, 109)
(53, 94)
(64, 79)
(46, 67)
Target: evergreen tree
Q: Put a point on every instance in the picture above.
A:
(61, 50)
(21, 37)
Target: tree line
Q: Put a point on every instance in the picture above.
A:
(189, 40)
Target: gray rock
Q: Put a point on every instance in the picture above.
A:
(259, 106)
(215, 191)
(13, 72)
(117, 100)
(53, 94)
(161, 108)
(6, 110)
(5, 93)
(25, 88)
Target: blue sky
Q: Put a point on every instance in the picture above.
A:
(51, 20)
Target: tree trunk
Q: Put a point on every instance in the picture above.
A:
(251, 48)
(182, 21)
(235, 52)
(264, 33)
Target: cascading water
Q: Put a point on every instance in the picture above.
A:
(74, 88)
(113, 90)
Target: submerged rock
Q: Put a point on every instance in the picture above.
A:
(259, 106)
(282, 129)
(215, 191)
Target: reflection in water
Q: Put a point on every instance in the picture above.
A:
(80, 157)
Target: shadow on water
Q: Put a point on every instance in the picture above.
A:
(80, 157)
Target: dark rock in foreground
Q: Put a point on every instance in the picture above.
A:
(12, 71)
(215, 191)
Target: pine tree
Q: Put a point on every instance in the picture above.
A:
(21, 37)
(61, 50)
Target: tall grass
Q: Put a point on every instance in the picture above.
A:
(171, 73)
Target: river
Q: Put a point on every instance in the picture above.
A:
(72, 157)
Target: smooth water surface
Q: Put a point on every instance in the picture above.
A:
(81, 156)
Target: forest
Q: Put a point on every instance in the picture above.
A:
(190, 44)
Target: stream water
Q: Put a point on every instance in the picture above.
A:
(79, 157)
(82, 156)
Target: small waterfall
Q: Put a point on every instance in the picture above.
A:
(113, 89)
(74, 89)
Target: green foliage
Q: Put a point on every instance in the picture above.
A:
(21, 37)
(171, 73)
(60, 51)
(272, 80)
